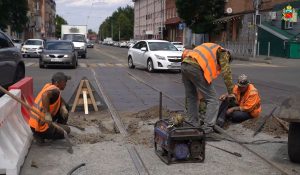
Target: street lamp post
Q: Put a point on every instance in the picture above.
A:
(162, 21)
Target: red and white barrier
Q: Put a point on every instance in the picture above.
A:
(15, 135)
(26, 87)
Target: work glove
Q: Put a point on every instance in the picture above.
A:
(64, 112)
(48, 117)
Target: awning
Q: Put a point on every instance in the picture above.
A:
(227, 18)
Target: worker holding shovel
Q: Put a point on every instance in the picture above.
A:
(52, 110)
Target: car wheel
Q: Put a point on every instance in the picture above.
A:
(20, 73)
(150, 65)
(24, 56)
(83, 56)
(130, 63)
(74, 64)
(294, 142)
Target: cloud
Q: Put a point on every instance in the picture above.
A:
(81, 12)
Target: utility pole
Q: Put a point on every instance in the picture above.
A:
(162, 21)
(112, 30)
(255, 3)
(119, 33)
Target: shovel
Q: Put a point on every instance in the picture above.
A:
(70, 149)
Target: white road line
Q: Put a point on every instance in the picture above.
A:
(29, 64)
(101, 64)
(82, 64)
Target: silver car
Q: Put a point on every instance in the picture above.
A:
(59, 53)
(12, 67)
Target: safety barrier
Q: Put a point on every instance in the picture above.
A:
(26, 87)
(15, 135)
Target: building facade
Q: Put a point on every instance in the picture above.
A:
(238, 27)
(149, 19)
(174, 26)
(41, 16)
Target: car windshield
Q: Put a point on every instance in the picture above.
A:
(33, 42)
(58, 46)
(16, 41)
(162, 46)
(74, 37)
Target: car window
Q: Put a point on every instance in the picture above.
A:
(162, 46)
(74, 37)
(4, 41)
(143, 44)
(137, 45)
(58, 46)
(33, 42)
(177, 43)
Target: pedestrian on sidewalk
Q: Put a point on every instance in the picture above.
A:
(52, 108)
(199, 68)
(243, 105)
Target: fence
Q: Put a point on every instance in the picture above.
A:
(239, 48)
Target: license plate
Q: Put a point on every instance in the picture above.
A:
(56, 60)
(176, 64)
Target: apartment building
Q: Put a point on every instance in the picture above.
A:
(174, 26)
(41, 16)
(149, 19)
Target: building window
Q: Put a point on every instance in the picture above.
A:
(286, 25)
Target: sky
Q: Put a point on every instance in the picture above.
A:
(88, 12)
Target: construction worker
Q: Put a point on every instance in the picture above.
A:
(199, 68)
(51, 123)
(243, 105)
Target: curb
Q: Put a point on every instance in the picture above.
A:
(256, 60)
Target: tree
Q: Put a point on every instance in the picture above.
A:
(58, 22)
(200, 14)
(13, 13)
(123, 19)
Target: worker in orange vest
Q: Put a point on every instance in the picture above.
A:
(52, 108)
(199, 68)
(246, 104)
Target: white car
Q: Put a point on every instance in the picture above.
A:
(154, 54)
(178, 45)
(32, 47)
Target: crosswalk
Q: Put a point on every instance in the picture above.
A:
(86, 65)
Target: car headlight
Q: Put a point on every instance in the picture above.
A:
(160, 57)
(47, 56)
(66, 56)
(23, 49)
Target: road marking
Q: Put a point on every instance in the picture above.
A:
(101, 64)
(29, 64)
(82, 64)
(120, 65)
(255, 65)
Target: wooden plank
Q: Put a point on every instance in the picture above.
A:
(91, 95)
(86, 107)
(77, 96)
(80, 101)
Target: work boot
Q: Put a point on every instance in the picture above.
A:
(39, 140)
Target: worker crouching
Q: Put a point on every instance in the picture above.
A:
(243, 105)
(53, 111)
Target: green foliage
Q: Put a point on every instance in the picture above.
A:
(13, 13)
(200, 14)
(121, 20)
(58, 22)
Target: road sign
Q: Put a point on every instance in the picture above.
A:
(181, 26)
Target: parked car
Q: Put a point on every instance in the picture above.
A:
(154, 54)
(123, 44)
(18, 43)
(32, 48)
(90, 44)
(178, 45)
(59, 52)
(12, 67)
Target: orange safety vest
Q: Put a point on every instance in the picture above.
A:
(184, 53)
(37, 121)
(250, 102)
(206, 56)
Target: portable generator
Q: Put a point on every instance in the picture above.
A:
(178, 144)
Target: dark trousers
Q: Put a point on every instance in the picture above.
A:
(234, 117)
(53, 132)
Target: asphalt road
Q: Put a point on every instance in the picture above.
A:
(274, 82)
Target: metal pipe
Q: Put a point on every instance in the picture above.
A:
(258, 46)
(269, 45)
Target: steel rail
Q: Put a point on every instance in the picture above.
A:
(137, 160)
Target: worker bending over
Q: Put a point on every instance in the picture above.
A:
(52, 108)
(199, 68)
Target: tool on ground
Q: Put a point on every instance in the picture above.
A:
(281, 122)
(70, 149)
(84, 90)
(178, 144)
(263, 122)
(75, 168)
(233, 153)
